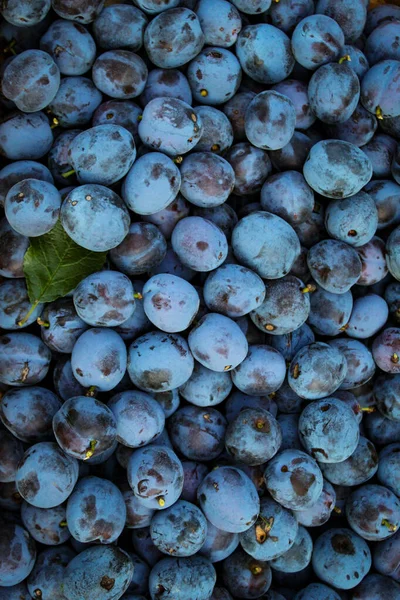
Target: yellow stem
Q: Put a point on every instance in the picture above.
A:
(68, 173)
(28, 314)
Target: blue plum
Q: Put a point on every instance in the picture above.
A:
(218, 544)
(60, 325)
(18, 555)
(288, 196)
(251, 165)
(298, 557)
(15, 304)
(120, 74)
(368, 316)
(25, 13)
(351, 16)
(84, 427)
(317, 370)
(96, 571)
(360, 362)
(137, 515)
(17, 171)
(25, 137)
(270, 120)
(229, 499)
(235, 110)
(99, 359)
(386, 557)
(70, 45)
(102, 154)
(156, 476)
(176, 579)
(173, 38)
(373, 511)
(337, 169)
(273, 534)
(262, 372)
(105, 299)
(75, 102)
(253, 437)
(223, 31)
(140, 250)
(197, 433)
(46, 525)
(194, 473)
(58, 160)
(321, 511)
(294, 479)
(286, 14)
(285, 308)
(120, 26)
(139, 418)
(180, 530)
(11, 452)
(166, 83)
(352, 220)
(377, 586)
(329, 430)
(206, 387)
(151, 184)
(214, 76)
(96, 511)
(233, 291)
(217, 133)
(218, 343)
(329, 313)
(334, 265)
(46, 475)
(65, 384)
(167, 218)
(388, 468)
(380, 89)
(244, 576)
(32, 207)
(31, 80)
(28, 413)
(170, 125)
(265, 53)
(200, 244)
(358, 129)
(341, 558)
(317, 40)
(207, 179)
(266, 244)
(166, 369)
(381, 43)
(119, 112)
(44, 580)
(290, 343)
(296, 91)
(357, 469)
(336, 81)
(24, 359)
(170, 302)
(95, 217)
(373, 262)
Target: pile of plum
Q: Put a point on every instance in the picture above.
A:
(199, 300)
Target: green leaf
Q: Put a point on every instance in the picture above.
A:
(54, 265)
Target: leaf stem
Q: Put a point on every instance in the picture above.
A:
(28, 314)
